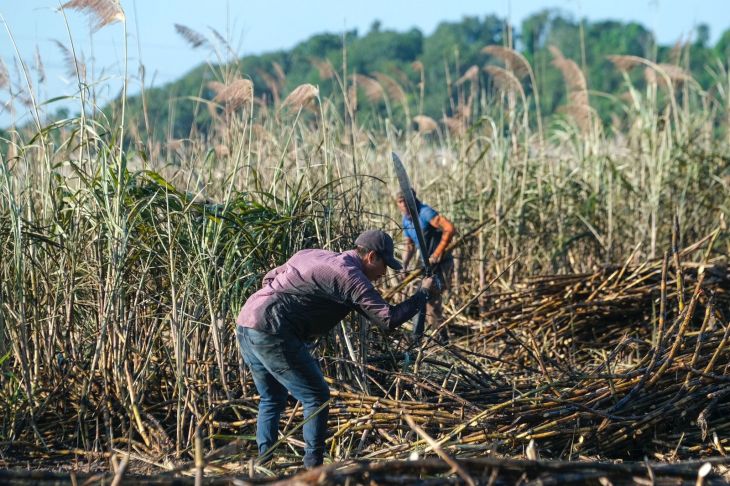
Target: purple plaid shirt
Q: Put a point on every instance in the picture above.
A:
(315, 290)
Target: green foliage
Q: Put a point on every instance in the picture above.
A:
(445, 54)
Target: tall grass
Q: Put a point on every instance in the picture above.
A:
(125, 261)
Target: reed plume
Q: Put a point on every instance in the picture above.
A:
(372, 88)
(303, 96)
(195, 39)
(4, 75)
(40, 69)
(504, 80)
(426, 124)
(74, 66)
(513, 60)
(455, 124)
(471, 74)
(279, 72)
(625, 63)
(324, 68)
(671, 72)
(578, 106)
(103, 12)
(391, 87)
(233, 95)
(272, 84)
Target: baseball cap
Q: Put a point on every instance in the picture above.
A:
(379, 241)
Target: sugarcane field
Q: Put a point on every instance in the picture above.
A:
(491, 252)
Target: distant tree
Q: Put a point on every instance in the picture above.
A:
(702, 36)
(722, 48)
(451, 50)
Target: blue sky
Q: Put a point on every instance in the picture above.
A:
(262, 26)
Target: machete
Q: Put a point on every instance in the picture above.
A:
(410, 198)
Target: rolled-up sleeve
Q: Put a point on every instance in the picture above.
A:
(368, 302)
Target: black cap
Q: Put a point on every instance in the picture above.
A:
(380, 242)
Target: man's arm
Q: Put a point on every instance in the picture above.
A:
(408, 254)
(368, 302)
(447, 234)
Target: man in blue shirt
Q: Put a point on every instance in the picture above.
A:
(438, 232)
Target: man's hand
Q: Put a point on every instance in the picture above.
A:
(435, 259)
(429, 283)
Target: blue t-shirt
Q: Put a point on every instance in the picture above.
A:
(431, 235)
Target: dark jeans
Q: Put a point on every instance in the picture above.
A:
(281, 362)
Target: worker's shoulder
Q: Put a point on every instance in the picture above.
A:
(313, 254)
(427, 211)
(331, 261)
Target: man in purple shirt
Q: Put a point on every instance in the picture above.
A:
(303, 299)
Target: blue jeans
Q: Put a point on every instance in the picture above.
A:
(280, 363)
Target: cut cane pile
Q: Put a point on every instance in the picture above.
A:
(621, 365)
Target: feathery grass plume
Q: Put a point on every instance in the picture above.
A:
(195, 39)
(213, 108)
(4, 75)
(666, 72)
(513, 60)
(233, 95)
(272, 83)
(417, 66)
(504, 80)
(578, 106)
(222, 41)
(352, 96)
(221, 151)
(262, 105)
(426, 124)
(303, 96)
(675, 53)
(104, 12)
(463, 110)
(372, 88)
(324, 67)
(579, 112)
(400, 76)
(572, 74)
(392, 88)
(175, 144)
(470, 75)
(672, 72)
(625, 63)
(40, 69)
(455, 124)
(74, 66)
(261, 133)
(25, 100)
(279, 71)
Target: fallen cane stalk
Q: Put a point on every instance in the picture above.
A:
(440, 452)
(120, 472)
(459, 311)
